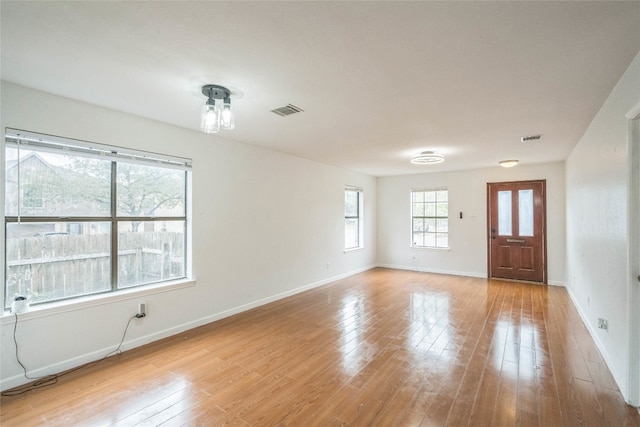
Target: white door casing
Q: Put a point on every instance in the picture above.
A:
(633, 369)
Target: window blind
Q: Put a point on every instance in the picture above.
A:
(49, 143)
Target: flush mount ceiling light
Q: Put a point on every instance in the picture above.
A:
(215, 117)
(427, 158)
(508, 163)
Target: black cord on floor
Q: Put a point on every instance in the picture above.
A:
(48, 380)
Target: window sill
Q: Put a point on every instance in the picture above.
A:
(346, 251)
(48, 309)
(424, 248)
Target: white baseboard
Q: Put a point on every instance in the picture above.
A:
(555, 283)
(596, 339)
(433, 270)
(451, 272)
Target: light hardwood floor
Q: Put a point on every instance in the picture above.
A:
(384, 348)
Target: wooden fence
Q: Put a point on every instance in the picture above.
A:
(63, 266)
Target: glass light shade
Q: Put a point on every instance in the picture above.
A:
(227, 117)
(210, 118)
(508, 163)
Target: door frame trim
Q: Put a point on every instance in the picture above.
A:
(544, 225)
(633, 260)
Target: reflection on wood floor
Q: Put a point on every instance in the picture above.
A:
(385, 347)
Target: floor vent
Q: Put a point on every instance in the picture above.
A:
(287, 110)
(530, 138)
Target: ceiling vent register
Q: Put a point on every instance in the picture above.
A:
(530, 138)
(287, 110)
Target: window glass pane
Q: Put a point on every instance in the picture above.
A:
(418, 238)
(429, 196)
(504, 213)
(353, 219)
(150, 251)
(418, 209)
(430, 209)
(351, 233)
(11, 182)
(525, 212)
(430, 240)
(56, 260)
(418, 196)
(442, 240)
(442, 209)
(442, 225)
(150, 191)
(442, 196)
(430, 225)
(50, 184)
(418, 224)
(350, 203)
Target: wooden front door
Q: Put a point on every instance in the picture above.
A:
(517, 230)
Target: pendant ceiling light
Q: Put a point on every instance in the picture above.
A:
(216, 116)
(427, 158)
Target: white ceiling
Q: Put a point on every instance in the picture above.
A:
(379, 81)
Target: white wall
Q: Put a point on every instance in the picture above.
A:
(597, 174)
(467, 236)
(265, 225)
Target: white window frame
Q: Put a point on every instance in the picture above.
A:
(434, 217)
(359, 217)
(71, 147)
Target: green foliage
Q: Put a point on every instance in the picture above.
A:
(53, 184)
(145, 190)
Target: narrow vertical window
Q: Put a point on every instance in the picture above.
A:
(352, 218)
(525, 213)
(430, 218)
(504, 213)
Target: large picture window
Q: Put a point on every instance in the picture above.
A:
(84, 218)
(352, 218)
(430, 218)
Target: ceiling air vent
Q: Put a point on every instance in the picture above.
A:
(287, 110)
(530, 138)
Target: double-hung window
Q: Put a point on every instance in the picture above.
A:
(430, 218)
(352, 218)
(84, 218)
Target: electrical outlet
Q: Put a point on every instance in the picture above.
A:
(142, 310)
(603, 323)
